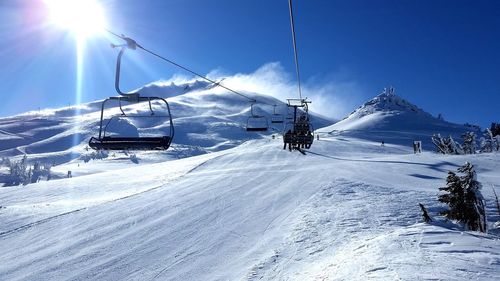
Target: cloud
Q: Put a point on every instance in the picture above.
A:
(334, 95)
(330, 96)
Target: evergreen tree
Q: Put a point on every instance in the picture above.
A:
(453, 146)
(464, 199)
(20, 172)
(488, 141)
(469, 145)
(475, 215)
(446, 145)
(454, 197)
(440, 143)
(495, 129)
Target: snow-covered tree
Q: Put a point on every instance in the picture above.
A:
(469, 144)
(453, 146)
(454, 197)
(438, 141)
(446, 145)
(39, 171)
(475, 214)
(20, 172)
(487, 142)
(495, 129)
(100, 154)
(464, 199)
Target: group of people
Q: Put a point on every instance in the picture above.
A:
(297, 139)
(301, 135)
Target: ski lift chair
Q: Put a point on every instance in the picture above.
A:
(114, 142)
(108, 141)
(276, 118)
(256, 123)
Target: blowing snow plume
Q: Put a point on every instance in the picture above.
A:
(206, 119)
(331, 98)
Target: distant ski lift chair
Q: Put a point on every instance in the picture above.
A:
(256, 123)
(276, 118)
(114, 142)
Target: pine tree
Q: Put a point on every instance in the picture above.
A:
(487, 141)
(438, 141)
(475, 215)
(495, 129)
(464, 199)
(454, 197)
(469, 145)
(453, 146)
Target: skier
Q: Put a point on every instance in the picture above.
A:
(287, 139)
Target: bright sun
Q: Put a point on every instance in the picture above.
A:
(82, 17)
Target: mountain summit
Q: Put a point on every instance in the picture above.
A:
(387, 101)
(389, 117)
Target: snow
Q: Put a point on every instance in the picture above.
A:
(390, 118)
(256, 211)
(206, 119)
(242, 208)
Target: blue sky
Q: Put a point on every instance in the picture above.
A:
(441, 55)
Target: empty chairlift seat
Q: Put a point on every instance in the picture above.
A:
(108, 139)
(256, 123)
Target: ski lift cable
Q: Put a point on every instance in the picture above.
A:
(292, 23)
(131, 41)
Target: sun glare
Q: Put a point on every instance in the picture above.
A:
(84, 18)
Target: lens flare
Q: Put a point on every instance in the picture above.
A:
(84, 18)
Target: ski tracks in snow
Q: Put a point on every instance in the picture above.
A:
(163, 183)
(319, 230)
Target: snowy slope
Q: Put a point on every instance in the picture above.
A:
(206, 119)
(346, 211)
(236, 206)
(390, 118)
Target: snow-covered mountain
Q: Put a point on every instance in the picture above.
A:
(206, 119)
(392, 119)
(248, 210)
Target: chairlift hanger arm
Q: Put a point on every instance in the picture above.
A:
(132, 44)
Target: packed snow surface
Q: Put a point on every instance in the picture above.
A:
(348, 210)
(226, 204)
